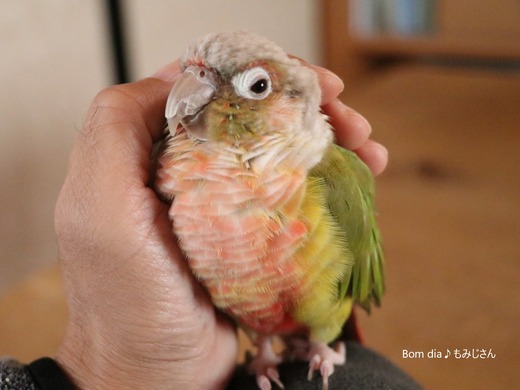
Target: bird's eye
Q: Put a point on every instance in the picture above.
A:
(253, 83)
(259, 86)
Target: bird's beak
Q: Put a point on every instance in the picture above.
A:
(192, 92)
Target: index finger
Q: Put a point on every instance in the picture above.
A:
(112, 151)
(331, 84)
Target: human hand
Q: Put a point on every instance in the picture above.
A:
(352, 129)
(138, 319)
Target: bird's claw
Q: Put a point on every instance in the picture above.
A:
(323, 358)
(271, 375)
(263, 382)
(326, 369)
(263, 365)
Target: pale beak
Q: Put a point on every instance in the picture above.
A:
(192, 92)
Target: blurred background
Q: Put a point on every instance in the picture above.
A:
(439, 80)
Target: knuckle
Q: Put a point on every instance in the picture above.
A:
(111, 95)
(112, 105)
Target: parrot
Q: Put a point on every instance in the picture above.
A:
(275, 219)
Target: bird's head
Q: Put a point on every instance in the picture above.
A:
(239, 88)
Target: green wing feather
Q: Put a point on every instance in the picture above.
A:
(350, 198)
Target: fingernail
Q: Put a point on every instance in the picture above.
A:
(333, 78)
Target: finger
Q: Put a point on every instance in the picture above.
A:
(169, 72)
(105, 197)
(140, 104)
(122, 113)
(374, 155)
(352, 129)
(330, 83)
(110, 160)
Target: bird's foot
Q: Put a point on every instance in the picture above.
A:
(263, 380)
(263, 365)
(323, 358)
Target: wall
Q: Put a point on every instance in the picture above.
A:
(162, 29)
(53, 62)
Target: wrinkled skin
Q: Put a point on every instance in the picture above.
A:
(138, 319)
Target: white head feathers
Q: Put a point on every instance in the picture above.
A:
(229, 52)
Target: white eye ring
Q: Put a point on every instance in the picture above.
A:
(253, 83)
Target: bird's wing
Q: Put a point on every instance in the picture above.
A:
(350, 199)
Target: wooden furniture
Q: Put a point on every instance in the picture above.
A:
(477, 29)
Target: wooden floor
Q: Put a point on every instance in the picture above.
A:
(449, 208)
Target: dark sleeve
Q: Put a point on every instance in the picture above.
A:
(42, 374)
(364, 369)
(15, 376)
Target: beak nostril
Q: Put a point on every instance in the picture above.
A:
(202, 74)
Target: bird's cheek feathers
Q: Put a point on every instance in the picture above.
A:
(235, 118)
